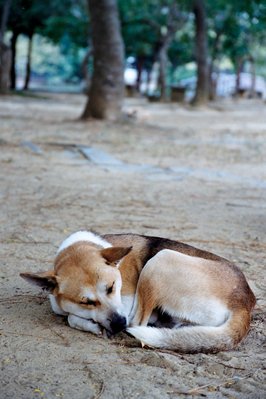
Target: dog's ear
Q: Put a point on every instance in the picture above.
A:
(46, 280)
(114, 254)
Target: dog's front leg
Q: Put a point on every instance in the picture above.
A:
(84, 324)
(55, 306)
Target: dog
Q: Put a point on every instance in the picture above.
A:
(164, 293)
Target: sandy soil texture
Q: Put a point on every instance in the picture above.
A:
(198, 176)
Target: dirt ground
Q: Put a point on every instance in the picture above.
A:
(198, 176)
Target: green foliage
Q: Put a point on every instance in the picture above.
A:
(69, 26)
(182, 48)
(65, 23)
(240, 24)
(236, 28)
(138, 29)
(26, 15)
(144, 23)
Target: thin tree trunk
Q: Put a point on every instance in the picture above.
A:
(4, 18)
(5, 53)
(175, 21)
(85, 72)
(253, 77)
(13, 60)
(214, 79)
(140, 63)
(107, 85)
(5, 66)
(202, 89)
(163, 61)
(238, 72)
(28, 66)
(240, 67)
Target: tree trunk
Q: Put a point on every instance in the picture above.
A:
(28, 66)
(175, 21)
(253, 78)
(13, 60)
(107, 85)
(85, 72)
(163, 61)
(4, 18)
(213, 75)
(5, 65)
(202, 89)
(140, 63)
(5, 53)
(239, 68)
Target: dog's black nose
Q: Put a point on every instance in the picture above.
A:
(118, 323)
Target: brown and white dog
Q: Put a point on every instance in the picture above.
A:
(163, 292)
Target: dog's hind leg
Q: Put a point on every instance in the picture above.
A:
(145, 300)
(143, 309)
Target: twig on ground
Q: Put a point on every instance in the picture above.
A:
(212, 387)
(229, 366)
(101, 391)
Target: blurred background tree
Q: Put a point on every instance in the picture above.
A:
(64, 24)
(107, 84)
(149, 30)
(201, 52)
(5, 52)
(169, 45)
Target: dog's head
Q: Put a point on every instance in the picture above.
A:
(86, 282)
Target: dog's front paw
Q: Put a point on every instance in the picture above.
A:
(106, 333)
(84, 324)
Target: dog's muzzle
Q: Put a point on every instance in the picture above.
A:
(118, 323)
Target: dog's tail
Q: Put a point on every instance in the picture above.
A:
(193, 339)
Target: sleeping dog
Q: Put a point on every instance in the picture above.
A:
(165, 293)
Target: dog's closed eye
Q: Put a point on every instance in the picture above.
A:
(109, 289)
(88, 301)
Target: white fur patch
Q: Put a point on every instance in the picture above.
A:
(77, 310)
(56, 308)
(127, 301)
(87, 293)
(202, 311)
(148, 335)
(187, 339)
(83, 236)
(83, 324)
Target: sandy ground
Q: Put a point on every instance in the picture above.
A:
(194, 175)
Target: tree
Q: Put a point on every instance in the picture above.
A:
(166, 33)
(175, 21)
(245, 26)
(107, 85)
(69, 28)
(5, 53)
(53, 19)
(201, 42)
(149, 30)
(25, 18)
(235, 29)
